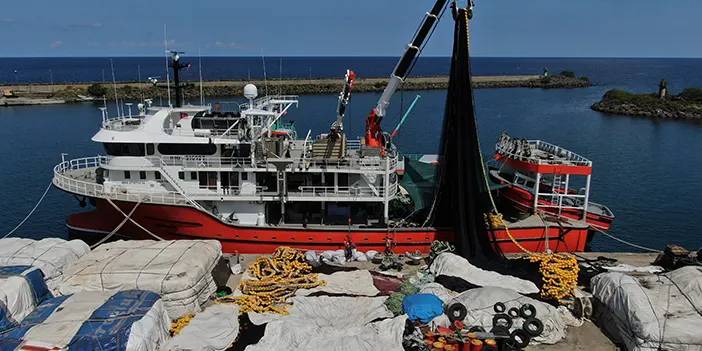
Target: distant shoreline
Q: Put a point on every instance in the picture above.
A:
(60, 93)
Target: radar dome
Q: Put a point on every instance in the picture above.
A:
(250, 91)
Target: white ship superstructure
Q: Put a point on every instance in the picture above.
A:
(244, 167)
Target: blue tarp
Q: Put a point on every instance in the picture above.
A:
(107, 329)
(422, 307)
(10, 339)
(35, 279)
(109, 326)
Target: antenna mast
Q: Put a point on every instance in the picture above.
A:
(168, 74)
(114, 86)
(265, 76)
(199, 63)
(141, 88)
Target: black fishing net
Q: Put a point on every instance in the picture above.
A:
(461, 195)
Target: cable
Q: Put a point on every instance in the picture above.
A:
(133, 221)
(118, 227)
(624, 241)
(30, 212)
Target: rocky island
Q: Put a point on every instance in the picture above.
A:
(687, 105)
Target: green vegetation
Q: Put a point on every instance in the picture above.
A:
(686, 105)
(621, 96)
(569, 74)
(97, 90)
(692, 94)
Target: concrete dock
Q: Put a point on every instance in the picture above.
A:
(588, 336)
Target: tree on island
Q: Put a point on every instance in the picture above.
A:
(692, 94)
(97, 90)
(569, 74)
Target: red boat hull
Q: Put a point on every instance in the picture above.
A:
(176, 222)
(524, 201)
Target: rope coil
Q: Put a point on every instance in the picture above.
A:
(559, 272)
(277, 278)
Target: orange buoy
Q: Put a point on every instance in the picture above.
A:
(490, 345)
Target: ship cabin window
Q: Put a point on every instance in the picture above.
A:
(343, 180)
(157, 175)
(124, 149)
(127, 175)
(150, 149)
(236, 151)
(142, 175)
(187, 149)
(193, 175)
(208, 180)
(244, 176)
(181, 175)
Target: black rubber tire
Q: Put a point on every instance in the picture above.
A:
(502, 319)
(499, 307)
(513, 312)
(476, 329)
(500, 331)
(527, 311)
(456, 312)
(520, 338)
(509, 345)
(533, 327)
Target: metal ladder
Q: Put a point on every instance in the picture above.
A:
(177, 187)
(559, 189)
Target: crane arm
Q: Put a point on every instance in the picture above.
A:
(344, 96)
(374, 134)
(410, 56)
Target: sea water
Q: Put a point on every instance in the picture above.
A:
(647, 171)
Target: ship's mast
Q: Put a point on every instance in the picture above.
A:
(177, 66)
(374, 135)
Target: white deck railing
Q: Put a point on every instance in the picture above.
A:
(78, 177)
(197, 162)
(567, 158)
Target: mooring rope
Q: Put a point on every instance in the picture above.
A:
(30, 212)
(133, 221)
(624, 241)
(118, 227)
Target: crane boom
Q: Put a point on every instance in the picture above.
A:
(410, 56)
(374, 135)
(344, 96)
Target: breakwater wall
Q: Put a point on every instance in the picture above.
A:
(137, 90)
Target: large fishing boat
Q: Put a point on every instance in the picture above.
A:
(243, 177)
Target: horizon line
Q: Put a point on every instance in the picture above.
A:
(359, 56)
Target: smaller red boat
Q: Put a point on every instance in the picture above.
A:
(522, 164)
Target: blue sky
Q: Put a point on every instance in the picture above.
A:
(536, 28)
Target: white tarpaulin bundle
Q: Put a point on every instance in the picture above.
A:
(653, 312)
(334, 324)
(179, 270)
(22, 288)
(214, 329)
(452, 265)
(133, 320)
(51, 255)
(480, 304)
(353, 283)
